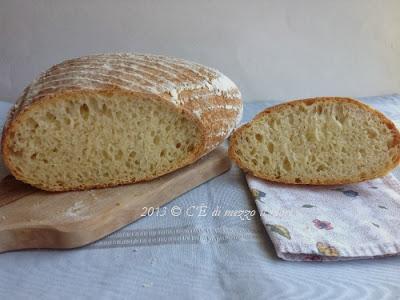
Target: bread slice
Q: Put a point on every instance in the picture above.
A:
(111, 119)
(317, 141)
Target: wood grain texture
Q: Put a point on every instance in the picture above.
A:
(31, 218)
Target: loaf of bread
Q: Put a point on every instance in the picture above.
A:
(317, 141)
(110, 119)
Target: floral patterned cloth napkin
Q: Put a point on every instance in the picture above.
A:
(327, 223)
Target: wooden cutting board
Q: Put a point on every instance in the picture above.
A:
(31, 218)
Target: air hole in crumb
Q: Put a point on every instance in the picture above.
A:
(372, 134)
(297, 180)
(178, 145)
(106, 155)
(84, 111)
(259, 137)
(119, 155)
(50, 117)
(291, 120)
(286, 165)
(32, 123)
(270, 148)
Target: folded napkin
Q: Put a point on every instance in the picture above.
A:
(327, 223)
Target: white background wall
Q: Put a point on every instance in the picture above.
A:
(271, 49)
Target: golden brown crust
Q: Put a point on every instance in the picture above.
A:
(395, 132)
(202, 94)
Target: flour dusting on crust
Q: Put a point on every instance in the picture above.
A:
(201, 90)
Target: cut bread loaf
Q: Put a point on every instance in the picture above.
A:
(111, 119)
(317, 141)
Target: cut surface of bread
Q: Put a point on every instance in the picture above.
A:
(95, 140)
(111, 119)
(317, 141)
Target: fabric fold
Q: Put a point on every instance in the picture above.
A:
(328, 223)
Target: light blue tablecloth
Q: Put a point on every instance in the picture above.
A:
(197, 257)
